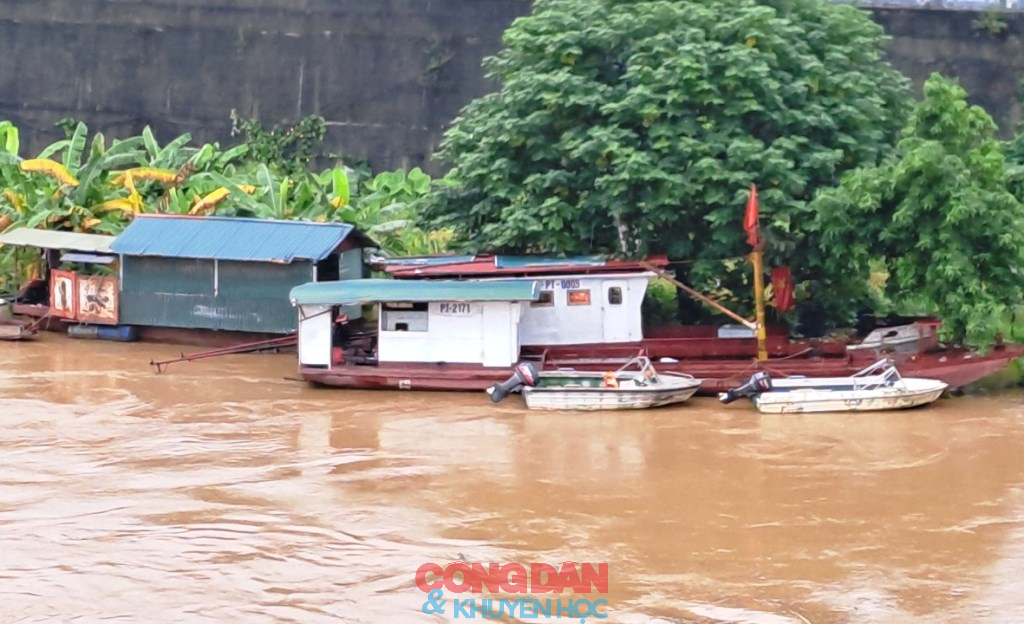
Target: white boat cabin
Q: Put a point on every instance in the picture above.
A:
(581, 309)
(583, 300)
(458, 322)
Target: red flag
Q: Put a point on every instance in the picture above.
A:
(750, 218)
(782, 289)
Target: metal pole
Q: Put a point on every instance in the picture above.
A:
(762, 338)
(698, 296)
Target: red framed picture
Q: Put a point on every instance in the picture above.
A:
(63, 294)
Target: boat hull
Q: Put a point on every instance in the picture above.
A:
(595, 400)
(14, 330)
(590, 395)
(797, 402)
(957, 368)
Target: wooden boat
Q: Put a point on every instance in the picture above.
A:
(14, 329)
(877, 387)
(637, 385)
(17, 330)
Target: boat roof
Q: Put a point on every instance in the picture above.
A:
(363, 291)
(496, 265)
(57, 239)
(233, 238)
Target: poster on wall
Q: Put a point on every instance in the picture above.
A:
(62, 294)
(97, 300)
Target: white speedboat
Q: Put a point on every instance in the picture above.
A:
(634, 386)
(877, 387)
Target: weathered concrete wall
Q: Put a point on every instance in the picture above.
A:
(955, 43)
(388, 75)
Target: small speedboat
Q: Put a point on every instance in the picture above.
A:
(877, 387)
(634, 386)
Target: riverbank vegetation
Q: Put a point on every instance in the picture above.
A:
(87, 183)
(635, 127)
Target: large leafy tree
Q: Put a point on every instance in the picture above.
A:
(937, 217)
(631, 127)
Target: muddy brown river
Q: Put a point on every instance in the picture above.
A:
(219, 491)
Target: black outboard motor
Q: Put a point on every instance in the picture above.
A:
(759, 382)
(524, 373)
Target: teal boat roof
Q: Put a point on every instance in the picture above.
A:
(362, 291)
(233, 238)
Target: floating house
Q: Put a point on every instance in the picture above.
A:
(582, 300)
(442, 334)
(231, 274)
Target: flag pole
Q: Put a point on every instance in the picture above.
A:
(762, 337)
(750, 224)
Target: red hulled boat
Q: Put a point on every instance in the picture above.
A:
(721, 359)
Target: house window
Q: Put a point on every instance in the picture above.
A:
(404, 317)
(578, 297)
(546, 300)
(615, 295)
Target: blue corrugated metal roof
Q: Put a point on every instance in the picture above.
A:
(229, 238)
(351, 292)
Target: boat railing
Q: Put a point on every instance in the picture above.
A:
(881, 373)
(644, 365)
(876, 368)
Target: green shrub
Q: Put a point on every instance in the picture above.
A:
(661, 303)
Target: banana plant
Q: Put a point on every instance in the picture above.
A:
(384, 209)
(9, 140)
(87, 185)
(11, 199)
(73, 193)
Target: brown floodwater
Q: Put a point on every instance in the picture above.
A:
(221, 491)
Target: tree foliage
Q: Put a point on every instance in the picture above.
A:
(938, 216)
(632, 127)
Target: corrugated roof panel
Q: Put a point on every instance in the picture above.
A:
(353, 292)
(86, 258)
(426, 260)
(54, 239)
(228, 238)
(515, 262)
(482, 266)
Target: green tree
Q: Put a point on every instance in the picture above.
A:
(630, 127)
(938, 216)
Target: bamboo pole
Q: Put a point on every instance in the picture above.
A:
(699, 297)
(762, 338)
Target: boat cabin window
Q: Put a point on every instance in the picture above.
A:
(578, 297)
(615, 295)
(404, 316)
(546, 300)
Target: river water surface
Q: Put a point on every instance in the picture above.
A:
(220, 491)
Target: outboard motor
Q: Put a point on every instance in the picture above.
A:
(524, 373)
(759, 382)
